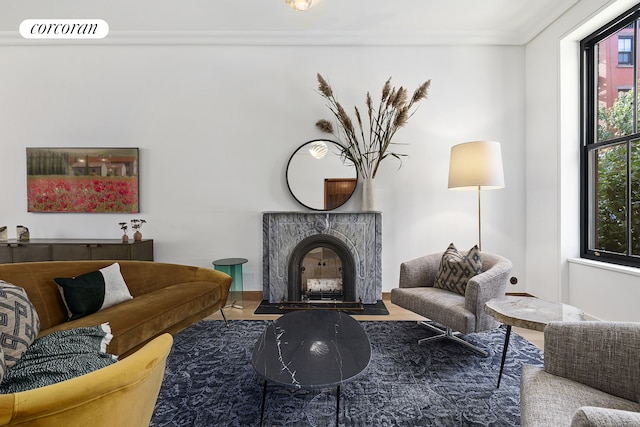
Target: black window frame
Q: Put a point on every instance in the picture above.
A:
(588, 133)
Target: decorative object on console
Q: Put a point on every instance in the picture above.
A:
(301, 5)
(136, 224)
(88, 180)
(3, 234)
(125, 236)
(317, 176)
(368, 144)
(476, 165)
(94, 291)
(22, 233)
(456, 269)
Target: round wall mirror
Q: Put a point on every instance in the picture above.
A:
(318, 178)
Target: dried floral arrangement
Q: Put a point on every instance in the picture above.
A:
(368, 145)
(136, 224)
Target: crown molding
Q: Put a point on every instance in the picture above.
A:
(274, 38)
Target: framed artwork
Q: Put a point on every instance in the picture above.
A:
(82, 180)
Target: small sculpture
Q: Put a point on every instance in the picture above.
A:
(23, 233)
(136, 224)
(123, 227)
(3, 233)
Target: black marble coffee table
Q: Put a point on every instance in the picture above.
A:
(311, 349)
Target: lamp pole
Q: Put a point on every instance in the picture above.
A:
(479, 223)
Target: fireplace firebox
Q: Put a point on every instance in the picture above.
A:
(321, 268)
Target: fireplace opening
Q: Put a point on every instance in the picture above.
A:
(321, 275)
(321, 268)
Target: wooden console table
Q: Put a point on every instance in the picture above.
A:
(13, 251)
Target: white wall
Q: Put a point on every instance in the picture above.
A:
(552, 166)
(216, 124)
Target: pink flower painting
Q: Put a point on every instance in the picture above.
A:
(82, 180)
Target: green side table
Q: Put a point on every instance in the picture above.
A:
(233, 267)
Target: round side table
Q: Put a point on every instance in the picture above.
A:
(530, 313)
(233, 267)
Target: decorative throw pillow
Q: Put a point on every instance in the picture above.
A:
(456, 269)
(92, 292)
(19, 322)
(3, 366)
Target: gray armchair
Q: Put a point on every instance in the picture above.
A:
(591, 377)
(459, 314)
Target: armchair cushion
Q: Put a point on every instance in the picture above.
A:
(588, 416)
(549, 400)
(592, 353)
(456, 269)
(591, 376)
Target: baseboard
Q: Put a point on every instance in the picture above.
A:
(252, 295)
(257, 295)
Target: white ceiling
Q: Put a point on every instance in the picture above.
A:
(330, 21)
(431, 21)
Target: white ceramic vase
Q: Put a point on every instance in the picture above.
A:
(368, 194)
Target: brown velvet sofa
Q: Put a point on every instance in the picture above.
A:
(166, 298)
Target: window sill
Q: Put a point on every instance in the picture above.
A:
(606, 266)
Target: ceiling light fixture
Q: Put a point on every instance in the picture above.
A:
(318, 149)
(301, 5)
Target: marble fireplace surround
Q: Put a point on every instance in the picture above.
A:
(360, 231)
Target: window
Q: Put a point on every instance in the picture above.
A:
(625, 51)
(610, 151)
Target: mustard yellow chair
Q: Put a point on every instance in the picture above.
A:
(123, 394)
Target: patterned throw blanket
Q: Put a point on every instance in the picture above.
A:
(60, 356)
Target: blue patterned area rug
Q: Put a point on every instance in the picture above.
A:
(210, 381)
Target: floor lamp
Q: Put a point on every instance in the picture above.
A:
(476, 165)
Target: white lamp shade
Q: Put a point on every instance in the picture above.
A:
(476, 164)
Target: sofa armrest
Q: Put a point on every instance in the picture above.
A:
(420, 271)
(223, 279)
(491, 283)
(602, 355)
(599, 417)
(122, 394)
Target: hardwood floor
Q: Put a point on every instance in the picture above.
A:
(253, 298)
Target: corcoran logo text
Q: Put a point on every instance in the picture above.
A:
(64, 29)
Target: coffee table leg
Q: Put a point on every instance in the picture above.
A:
(338, 406)
(504, 353)
(264, 399)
